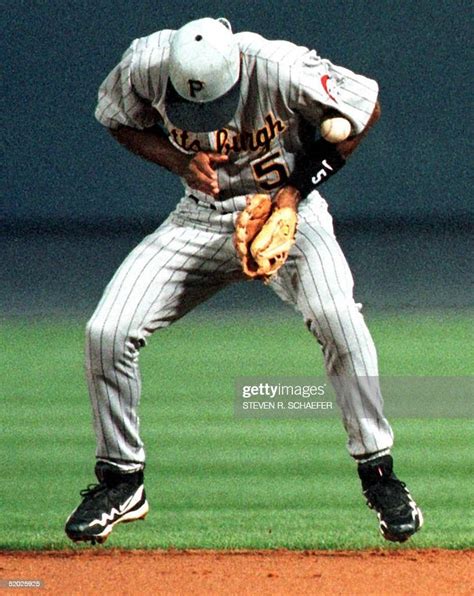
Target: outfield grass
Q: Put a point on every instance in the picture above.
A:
(214, 480)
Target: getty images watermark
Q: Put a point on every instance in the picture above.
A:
(403, 397)
(258, 398)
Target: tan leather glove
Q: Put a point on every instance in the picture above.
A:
(264, 235)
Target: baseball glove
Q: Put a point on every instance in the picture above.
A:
(264, 235)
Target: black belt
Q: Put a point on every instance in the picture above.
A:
(202, 203)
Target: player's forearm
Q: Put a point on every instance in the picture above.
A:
(153, 145)
(199, 169)
(345, 148)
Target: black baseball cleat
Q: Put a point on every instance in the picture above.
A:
(399, 515)
(117, 498)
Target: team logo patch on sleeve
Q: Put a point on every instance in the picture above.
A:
(329, 87)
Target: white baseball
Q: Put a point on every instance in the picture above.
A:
(335, 129)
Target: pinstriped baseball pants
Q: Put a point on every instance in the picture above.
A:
(187, 260)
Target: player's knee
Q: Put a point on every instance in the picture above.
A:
(335, 323)
(105, 335)
(112, 344)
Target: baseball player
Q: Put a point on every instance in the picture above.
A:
(235, 116)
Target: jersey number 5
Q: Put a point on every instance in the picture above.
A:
(268, 172)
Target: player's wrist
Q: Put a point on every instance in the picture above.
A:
(288, 196)
(179, 164)
(320, 161)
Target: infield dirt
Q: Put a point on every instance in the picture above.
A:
(173, 572)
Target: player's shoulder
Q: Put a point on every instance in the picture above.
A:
(272, 51)
(154, 41)
(149, 56)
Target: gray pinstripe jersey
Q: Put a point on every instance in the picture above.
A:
(282, 86)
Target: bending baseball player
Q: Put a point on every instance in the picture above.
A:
(237, 118)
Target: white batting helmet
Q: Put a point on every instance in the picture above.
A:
(204, 68)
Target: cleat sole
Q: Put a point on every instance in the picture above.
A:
(131, 516)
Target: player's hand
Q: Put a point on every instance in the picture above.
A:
(200, 172)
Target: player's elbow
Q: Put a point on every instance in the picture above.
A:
(119, 133)
(373, 119)
(376, 113)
